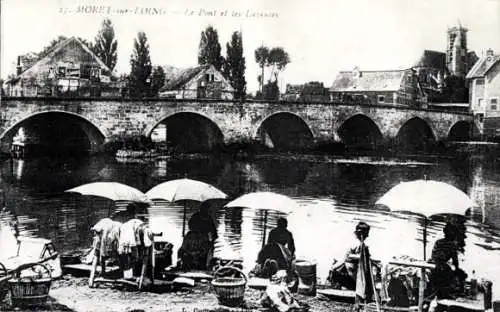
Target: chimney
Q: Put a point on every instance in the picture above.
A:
(19, 68)
(489, 52)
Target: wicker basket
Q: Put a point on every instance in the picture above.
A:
(229, 290)
(4, 286)
(30, 291)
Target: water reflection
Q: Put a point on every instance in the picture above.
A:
(333, 195)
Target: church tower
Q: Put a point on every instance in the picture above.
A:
(456, 51)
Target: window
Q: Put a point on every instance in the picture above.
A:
(85, 71)
(95, 73)
(493, 107)
(61, 71)
(479, 82)
(479, 102)
(381, 98)
(493, 104)
(479, 117)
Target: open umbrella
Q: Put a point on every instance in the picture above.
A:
(426, 198)
(185, 189)
(111, 190)
(266, 201)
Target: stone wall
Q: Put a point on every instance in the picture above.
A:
(237, 121)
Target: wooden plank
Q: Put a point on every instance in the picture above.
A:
(341, 293)
(88, 267)
(183, 281)
(258, 283)
(397, 309)
(196, 275)
(115, 281)
(474, 305)
(417, 264)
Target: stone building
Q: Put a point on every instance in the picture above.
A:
(313, 91)
(484, 93)
(200, 82)
(394, 87)
(442, 74)
(70, 69)
(456, 51)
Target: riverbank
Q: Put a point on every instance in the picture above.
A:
(73, 294)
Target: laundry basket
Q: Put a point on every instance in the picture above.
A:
(32, 289)
(4, 277)
(230, 291)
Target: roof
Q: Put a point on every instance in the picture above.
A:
(389, 80)
(482, 66)
(182, 77)
(432, 59)
(58, 47)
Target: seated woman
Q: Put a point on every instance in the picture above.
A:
(273, 257)
(447, 279)
(344, 274)
(194, 254)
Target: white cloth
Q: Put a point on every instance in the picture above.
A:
(147, 239)
(109, 231)
(8, 242)
(129, 236)
(278, 296)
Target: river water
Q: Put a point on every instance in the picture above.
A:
(333, 195)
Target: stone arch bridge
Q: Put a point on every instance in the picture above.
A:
(207, 123)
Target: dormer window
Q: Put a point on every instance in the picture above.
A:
(95, 73)
(61, 71)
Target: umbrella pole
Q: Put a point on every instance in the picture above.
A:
(109, 210)
(425, 239)
(265, 226)
(184, 220)
(421, 285)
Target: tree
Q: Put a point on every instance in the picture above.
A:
(271, 91)
(105, 45)
(209, 49)
(157, 80)
(261, 57)
(140, 72)
(235, 65)
(278, 58)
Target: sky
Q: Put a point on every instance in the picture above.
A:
(322, 37)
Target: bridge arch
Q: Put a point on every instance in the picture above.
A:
(416, 134)
(188, 130)
(91, 135)
(462, 130)
(360, 131)
(284, 130)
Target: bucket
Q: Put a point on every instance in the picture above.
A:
(306, 271)
(487, 286)
(496, 306)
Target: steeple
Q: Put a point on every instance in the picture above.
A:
(456, 51)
